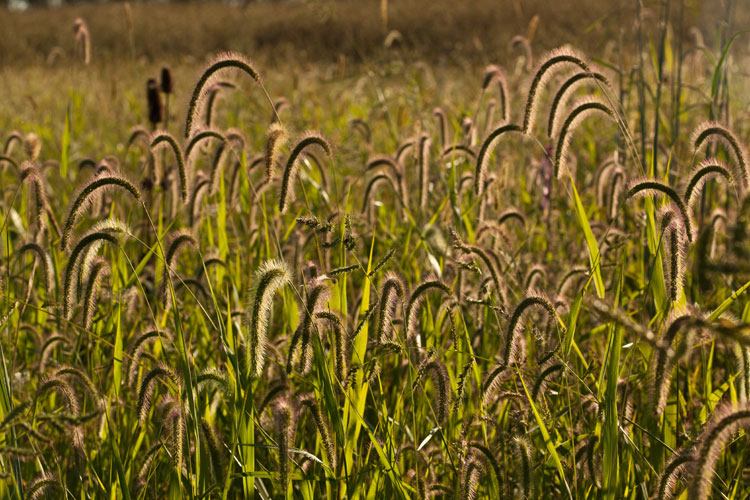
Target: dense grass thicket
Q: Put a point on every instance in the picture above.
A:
(524, 280)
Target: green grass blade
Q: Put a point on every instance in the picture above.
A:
(545, 435)
(357, 392)
(610, 431)
(593, 247)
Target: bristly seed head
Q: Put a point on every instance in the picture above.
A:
(267, 280)
(707, 131)
(222, 61)
(290, 171)
(551, 61)
(277, 137)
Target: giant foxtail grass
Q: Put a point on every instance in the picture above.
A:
(712, 130)
(551, 61)
(267, 280)
(225, 60)
(570, 85)
(580, 112)
(192, 334)
(290, 170)
(485, 152)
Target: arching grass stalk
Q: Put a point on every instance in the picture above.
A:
(222, 61)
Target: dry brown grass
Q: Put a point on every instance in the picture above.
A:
(321, 30)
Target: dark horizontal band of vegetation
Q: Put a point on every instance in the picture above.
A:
(436, 30)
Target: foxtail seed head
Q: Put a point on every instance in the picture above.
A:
(222, 61)
(707, 131)
(552, 61)
(277, 137)
(581, 110)
(267, 280)
(290, 171)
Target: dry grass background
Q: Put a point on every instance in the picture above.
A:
(323, 30)
(312, 50)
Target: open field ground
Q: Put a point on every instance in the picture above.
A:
(424, 257)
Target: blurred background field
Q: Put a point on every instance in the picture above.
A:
(433, 46)
(441, 31)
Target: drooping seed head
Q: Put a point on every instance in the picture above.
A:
(211, 96)
(441, 381)
(708, 131)
(321, 424)
(726, 421)
(267, 280)
(536, 272)
(29, 174)
(494, 74)
(41, 486)
(512, 213)
(222, 61)
(665, 356)
(277, 137)
(524, 467)
(675, 246)
(392, 293)
(403, 150)
(581, 110)
(511, 352)
(99, 270)
(160, 137)
(471, 472)
(520, 41)
(216, 450)
(423, 167)
(285, 423)
(179, 241)
(82, 198)
(442, 120)
(318, 292)
(710, 167)
(82, 256)
(416, 299)
(44, 259)
(82, 36)
(644, 187)
(290, 171)
(340, 337)
(566, 89)
(485, 152)
(674, 469)
(137, 349)
(554, 60)
(161, 372)
(202, 134)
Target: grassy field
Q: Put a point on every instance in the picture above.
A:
(325, 31)
(438, 268)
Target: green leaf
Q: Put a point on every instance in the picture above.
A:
(357, 392)
(610, 458)
(545, 435)
(594, 255)
(717, 71)
(728, 302)
(117, 375)
(121, 476)
(65, 146)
